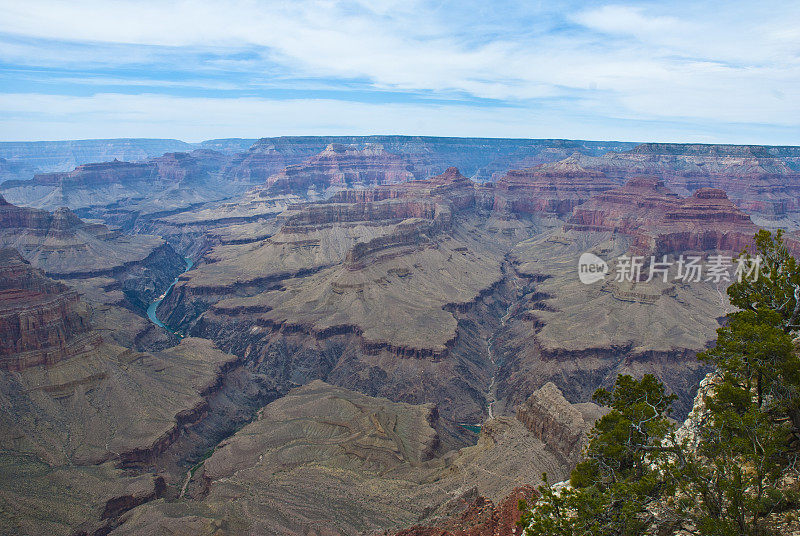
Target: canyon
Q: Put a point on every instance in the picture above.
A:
(376, 335)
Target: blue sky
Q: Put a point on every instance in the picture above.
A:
(711, 72)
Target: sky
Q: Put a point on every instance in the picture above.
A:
(694, 71)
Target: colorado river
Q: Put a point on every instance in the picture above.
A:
(151, 311)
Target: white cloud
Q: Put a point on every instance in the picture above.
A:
(683, 62)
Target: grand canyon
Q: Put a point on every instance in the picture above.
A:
(344, 335)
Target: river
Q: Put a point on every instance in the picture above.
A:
(151, 311)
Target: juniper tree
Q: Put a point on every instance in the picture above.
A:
(611, 490)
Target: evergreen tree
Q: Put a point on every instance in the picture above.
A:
(611, 489)
(742, 466)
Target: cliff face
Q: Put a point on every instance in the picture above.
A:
(660, 222)
(42, 322)
(15, 170)
(557, 423)
(557, 189)
(120, 192)
(99, 174)
(479, 158)
(64, 246)
(49, 156)
(342, 166)
(53, 156)
(757, 178)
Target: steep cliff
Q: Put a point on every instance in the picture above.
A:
(557, 189)
(761, 179)
(342, 166)
(64, 246)
(660, 222)
(42, 322)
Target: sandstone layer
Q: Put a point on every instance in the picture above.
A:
(661, 222)
(557, 189)
(761, 179)
(42, 322)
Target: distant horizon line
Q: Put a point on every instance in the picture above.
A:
(635, 142)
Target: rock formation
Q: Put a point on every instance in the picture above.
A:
(581, 336)
(331, 461)
(64, 246)
(380, 287)
(51, 156)
(42, 322)
(121, 192)
(341, 166)
(557, 189)
(556, 422)
(479, 158)
(761, 179)
(349, 324)
(660, 222)
(73, 420)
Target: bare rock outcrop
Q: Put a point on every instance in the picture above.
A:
(557, 423)
(661, 222)
(66, 247)
(41, 321)
(328, 460)
(342, 166)
(758, 178)
(556, 190)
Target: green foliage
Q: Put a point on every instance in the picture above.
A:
(775, 293)
(731, 482)
(744, 450)
(613, 486)
(731, 478)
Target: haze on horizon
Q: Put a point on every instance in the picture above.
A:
(720, 72)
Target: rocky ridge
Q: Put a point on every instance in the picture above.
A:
(341, 166)
(326, 460)
(661, 222)
(66, 247)
(557, 189)
(760, 179)
(42, 322)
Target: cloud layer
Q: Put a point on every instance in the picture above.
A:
(194, 70)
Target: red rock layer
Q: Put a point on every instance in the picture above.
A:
(342, 166)
(661, 222)
(556, 190)
(41, 320)
(481, 518)
(450, 185)
(757, 178)
(102, 173)
(12, 216)
(432, 199)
